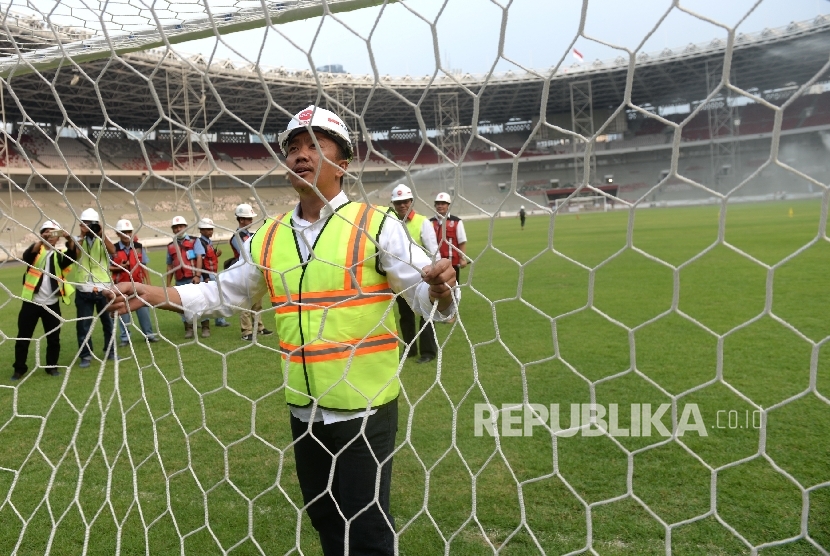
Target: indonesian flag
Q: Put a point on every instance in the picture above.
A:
(578, 56)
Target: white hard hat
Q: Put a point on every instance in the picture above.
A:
(318, 119)
(443, 198)
(522, 207)
(401, 193)
(205, 224)
(123, 225)
(178, 220)
(245, 211)
(50, 225)
(90, 215)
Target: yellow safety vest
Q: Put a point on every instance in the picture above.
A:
(35, 272)
(414, 228)
(334, 312)
(94, 263)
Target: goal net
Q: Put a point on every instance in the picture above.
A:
(649, 379)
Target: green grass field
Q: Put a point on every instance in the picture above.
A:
(184, 448)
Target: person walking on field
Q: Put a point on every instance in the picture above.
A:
(91, 277)
(129, 263)
(420, 230)
(450, 234)
(184, 263)
(522, 216)
(210, 265)
(331, 267)
(245, 217)
(44, 287)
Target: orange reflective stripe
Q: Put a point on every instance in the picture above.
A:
(356, 238)
(333, 351)
(337, 302)
(268, 251)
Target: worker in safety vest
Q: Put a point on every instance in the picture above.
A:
(245, 218)
(130, 263)
(44, 284)
(91, 277)
(332, 268)
(210, 265)
(420, 230)
(450, 234)
(184, 263)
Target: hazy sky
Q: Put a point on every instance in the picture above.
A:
(538, 33)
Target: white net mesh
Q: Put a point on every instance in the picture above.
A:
(640, 360)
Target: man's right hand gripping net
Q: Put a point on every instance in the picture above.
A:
(643, 368)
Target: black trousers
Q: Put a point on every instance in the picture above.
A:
(356, 475)
(407, 325)
(87, 303)
(27, 319)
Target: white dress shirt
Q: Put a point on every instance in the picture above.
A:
(243, 284)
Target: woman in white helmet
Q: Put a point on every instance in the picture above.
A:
(44, 287)
(332, 268)
(91, 277)
(130, 264)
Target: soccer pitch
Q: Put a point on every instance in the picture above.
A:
(186, 447)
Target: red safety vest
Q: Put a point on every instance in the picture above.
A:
(131, 269)
(210, 262)
(242, 234)
(184, 268)
(448, 236)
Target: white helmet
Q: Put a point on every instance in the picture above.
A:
(177, 220)
(205, 224)
(522, 207)
(318, 119)
(245, 211)
(90, 215)
(443, 198)
(123, 225)
(50, 225)
(401, 193)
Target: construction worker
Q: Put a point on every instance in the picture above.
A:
(184, 264)
(421, 231)
(210, 264)
(450, 234)
(90, 276)
(332, 304)
(44, 284)
(245, 218)
(130, 263)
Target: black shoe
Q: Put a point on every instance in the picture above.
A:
(152, 339)
(425, 359)
(53, 372)
(17, 376)
(265, 332)
(248, 337)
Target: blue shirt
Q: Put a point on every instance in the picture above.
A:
(198, 248)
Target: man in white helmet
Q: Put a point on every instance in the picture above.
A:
(245, 218)
(419, 228)
(91, 277)
(522, 216)
(44, 287)
(450, 234)
(130, 263)
(210, 265)
(184, 262)
(332, 268)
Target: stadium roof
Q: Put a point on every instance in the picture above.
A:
(134, 90)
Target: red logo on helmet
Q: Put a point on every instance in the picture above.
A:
(305, 115)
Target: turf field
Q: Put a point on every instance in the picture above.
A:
(185, 447)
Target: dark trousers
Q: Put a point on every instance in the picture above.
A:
(27, 319)
(87, 303)
(407, 325)
(356, 475)
(457, 273)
